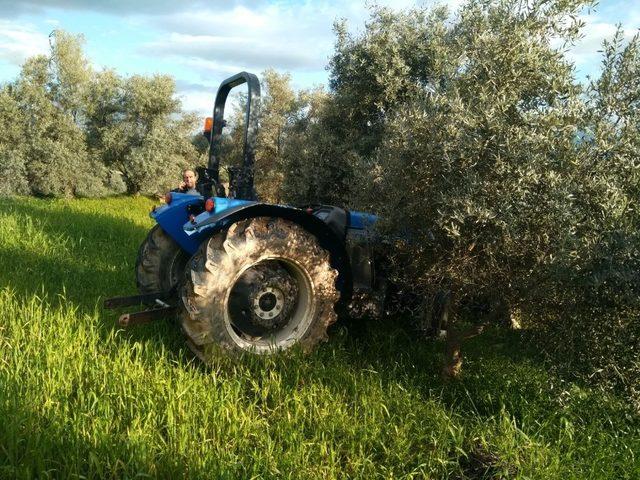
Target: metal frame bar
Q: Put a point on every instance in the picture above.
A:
(245, 183)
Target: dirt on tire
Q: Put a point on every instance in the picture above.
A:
(219, 262)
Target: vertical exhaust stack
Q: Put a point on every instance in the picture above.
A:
(240, 178)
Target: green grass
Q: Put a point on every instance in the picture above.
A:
(82, 398)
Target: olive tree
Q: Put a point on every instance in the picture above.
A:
(71, 130)
(598, 330)
(55, 153)
(497, 175)
(469, 135)
(137, 129)
(284, 115)
(13, 171)
(319, 166)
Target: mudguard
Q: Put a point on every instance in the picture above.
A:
(228, 211)
(171, 218)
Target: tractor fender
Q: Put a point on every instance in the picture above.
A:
(207, 224)
(171, 218)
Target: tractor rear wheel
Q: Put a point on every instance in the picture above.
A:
(264, 285)
(160, 263)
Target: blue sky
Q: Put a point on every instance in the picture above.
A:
(200, 43)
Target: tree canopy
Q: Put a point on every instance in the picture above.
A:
(498, 175)
(75, 131)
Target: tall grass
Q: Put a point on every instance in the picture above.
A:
(82, 398)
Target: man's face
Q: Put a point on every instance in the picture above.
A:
(189, 179)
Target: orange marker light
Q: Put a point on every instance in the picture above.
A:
(209, 205)
(208, 124)
(168, 198)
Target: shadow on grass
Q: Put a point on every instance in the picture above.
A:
(503, 374)
(54, 450)
(502, 370)
(96, 261)
(492, 366)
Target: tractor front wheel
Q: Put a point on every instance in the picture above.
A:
(160, 263)
(264, 285)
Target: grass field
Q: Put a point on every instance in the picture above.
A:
(82, 398)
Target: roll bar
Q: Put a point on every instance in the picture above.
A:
(244, 177)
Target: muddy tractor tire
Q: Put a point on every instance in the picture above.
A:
(263, 286)
(160, 263)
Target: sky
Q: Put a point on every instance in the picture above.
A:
(200, 43)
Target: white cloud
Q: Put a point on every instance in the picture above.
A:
(215, 43)
(211, 69)
(198, 101)
(19, 41)
(293, 37)
(223, 52)
(595, 32)
(210, 40)
(119, 7)
(201, 101)
(587, 52)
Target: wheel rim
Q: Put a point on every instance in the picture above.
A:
(269, 305)
(176, 269)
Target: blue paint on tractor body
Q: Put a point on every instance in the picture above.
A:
(206, 220)
(171, 218)
(174, 218)
(361, 220)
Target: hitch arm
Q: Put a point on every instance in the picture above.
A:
(147, 299)
(156, 299)
(145, 316)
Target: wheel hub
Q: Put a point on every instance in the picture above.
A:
(263, 299)
(267, 302)
(267, 306)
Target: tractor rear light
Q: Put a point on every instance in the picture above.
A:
(309, 211)
(168, 198)
(208, 124)
(209, 205)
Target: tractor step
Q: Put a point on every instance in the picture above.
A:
(145, 316)
(147, 298)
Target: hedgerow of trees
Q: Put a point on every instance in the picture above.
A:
(501, 177)
(69, 130)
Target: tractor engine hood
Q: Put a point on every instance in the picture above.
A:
(218, 217)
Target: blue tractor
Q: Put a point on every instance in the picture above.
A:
(243, 275)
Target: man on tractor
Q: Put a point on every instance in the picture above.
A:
(188, 184)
